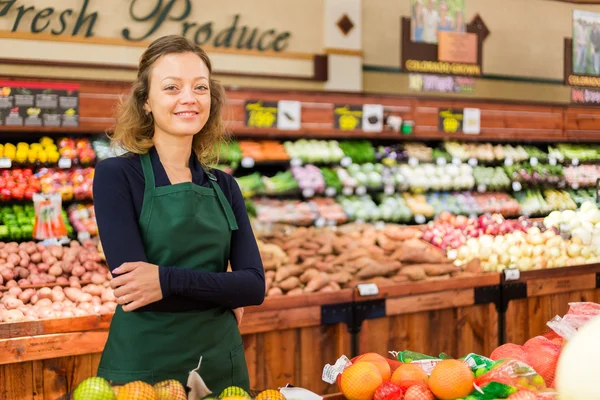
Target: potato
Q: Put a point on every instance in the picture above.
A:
(23, 282)
(78, 271)
(272, 292)
(317, 282)
(43, 303)
(86, 277)
(73, 294)
(108, 295)
(16, 291)
(13, 316)
(295, 292)
(13, 259)
(68, 303)
(89, 266)
(46, 313)
(61, 280)
(43, 267)
(13, 303)
(56, 269)
(57, 306)
(78, 312)
(45, 293)
(96, 300)
(23, 272)
(34, 298)
(87, 306)
(36, 258)
(12, 283)
(290, 283)
(56, 251)
(25, 296)
(111, 305)
(51, 260)
(7, 274)
(104, 310)
(58, 295)
(3, 254)
(85, 297)
(98, 278)
(67, 314)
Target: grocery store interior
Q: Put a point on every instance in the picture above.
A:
(422, 180)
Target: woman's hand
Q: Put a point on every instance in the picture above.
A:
(239, 313)
(139, 285)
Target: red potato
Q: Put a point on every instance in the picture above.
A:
(33, 269)
(67, 267)
(74, 244)
(58, 296)
(89, 266)
(108, 295)
(61, 280)
(78, 271)
(104, 310)
(36, 258)
(24, 262)
(3, 254)
(12, 316)
(7, 274)
(1, 282)
(96, 300)
(83, 257)
(86, 277)
(51, 260)
(35, 279)
(6, 297)
(44, 303)
(68, 303)
(56, 269)
(12, 303)
(67, 314)
(26, 295)
(23, 272)
(11, 284)
(45, 293)
(73, 294)
(98, 278)
(24, 309)
(34, 298)
(111, 305)
(49, 278)
(31, 249)
(41, 248)
(13, 259)
(46, 313)
(57, 306)
(78, 312)
(23, 282)
(56, 251)
(43, 267)
(16, 291)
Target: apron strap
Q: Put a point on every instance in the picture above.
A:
(148, 174)
(224, 203)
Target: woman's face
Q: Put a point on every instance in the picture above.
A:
(179, 95)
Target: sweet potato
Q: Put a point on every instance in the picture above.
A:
(269, 265)
(317, 282)
(324, 267)
(400, 278)
(290, 283)
(292, 243)
(439, 277)
(416, 251)
(438, 269)
(270, 274)
(293, 255)
(400, 233)
(381, 281)
(308, 275)
(287, 271)
(414, 272)
(308, 245)
(371, 271)
(358, 253)
(309, 262)
(295, 292)
(364, 262)
(473, 266)
(385, 242)
(341, 277)
(330, 258)
(275, 292)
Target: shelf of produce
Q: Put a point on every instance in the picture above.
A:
(455, 315)
(537, 296)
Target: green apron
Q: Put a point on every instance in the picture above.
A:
(188, 226)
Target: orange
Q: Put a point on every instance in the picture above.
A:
(379, 361)
(137, 390)
(409, 373)
(451, 379)
(418, 392)
(360, 381)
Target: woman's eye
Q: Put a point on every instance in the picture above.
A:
(171, 87)
(201, 87)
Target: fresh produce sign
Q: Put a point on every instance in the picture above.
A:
(261, 114)
(450, 120)
(347, 117)
(39, 104)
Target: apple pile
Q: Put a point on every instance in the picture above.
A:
(77, 150)
(451, 231)
(18, 184)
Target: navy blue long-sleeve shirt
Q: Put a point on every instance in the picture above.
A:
(118, 196)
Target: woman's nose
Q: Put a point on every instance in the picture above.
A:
(187, 96)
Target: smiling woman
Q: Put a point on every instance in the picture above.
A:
(170, 227)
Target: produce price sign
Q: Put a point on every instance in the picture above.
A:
(39, 104)
(347, 117)
(259, 114)
(467, 120)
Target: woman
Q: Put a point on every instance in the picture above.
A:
(169, 227)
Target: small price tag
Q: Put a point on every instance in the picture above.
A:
(379, 225)
(347, 191)
(575, 161)
(320, 222)
(512, 274)
(64, 163)
(508, 161)
(361, 190)
(420, 219)
(472, 162)
(552, 160)
(345, 161)
(247, 162)
(388, 189)
(5, 162)
(575, 186)
(367, 289)
(296, 162)
(441, 161)
(516, 186)
(330, 192)
(456, 161)
(308, 192)
(533, 161)
(331, 372)
(83, 236)
(452, 254)
(481, 188)
(413, 162)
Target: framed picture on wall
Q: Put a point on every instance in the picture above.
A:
(586, 43)
(428, 17)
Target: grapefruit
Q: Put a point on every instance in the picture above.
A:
(510, 351)
(379, 361)
(418, 392)
(451, 379)
(137, 390)
(360, 381)
(409, 373)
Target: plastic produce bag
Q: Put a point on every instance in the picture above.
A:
(48, 217)
(512, 373)
(578, 315)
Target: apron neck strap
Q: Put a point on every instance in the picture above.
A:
(148, 172)
(222, 200)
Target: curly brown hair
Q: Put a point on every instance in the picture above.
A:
(135, 128)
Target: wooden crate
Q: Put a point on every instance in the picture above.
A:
(538, 296)
(284, 339)
(454, 316)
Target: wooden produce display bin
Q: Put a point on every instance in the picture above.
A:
(456, 316)
(285, 342)
(537, 296)
(289, 339)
